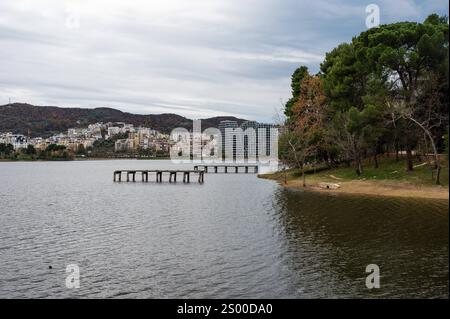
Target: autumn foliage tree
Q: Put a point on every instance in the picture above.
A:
(305, 128)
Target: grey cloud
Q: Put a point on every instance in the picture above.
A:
(195, 58)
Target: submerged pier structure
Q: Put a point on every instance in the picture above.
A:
(159, 174)
(253, 169)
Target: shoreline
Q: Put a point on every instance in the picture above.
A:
(369, 188)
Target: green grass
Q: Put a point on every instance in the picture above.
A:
(389, 170)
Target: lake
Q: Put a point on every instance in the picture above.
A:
(235, 236)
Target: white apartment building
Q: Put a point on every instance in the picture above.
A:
(251, 142)
(16, 140)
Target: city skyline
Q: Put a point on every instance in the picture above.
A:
(230, 142)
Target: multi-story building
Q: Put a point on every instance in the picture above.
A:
(75, 132)
(124, 145)
(250, 142)
(119, 127)
(16, 140)
(113, 130)
(264, 141)
(232, 141)
(39, 143)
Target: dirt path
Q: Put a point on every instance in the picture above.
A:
(379, 188)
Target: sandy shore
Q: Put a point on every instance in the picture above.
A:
(377, 188)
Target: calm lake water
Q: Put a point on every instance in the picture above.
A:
(234, 236)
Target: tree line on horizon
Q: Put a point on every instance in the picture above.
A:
(384, 92)
(52, 152)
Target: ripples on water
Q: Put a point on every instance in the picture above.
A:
(235, 236)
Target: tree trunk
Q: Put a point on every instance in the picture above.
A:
(303, 176)
(375, 159)
(438, 175)
(359, 169)
(409, 160)
(357, 158)
(397, 157)
(437, 162)
(299, 164)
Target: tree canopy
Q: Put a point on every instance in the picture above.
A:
(385, 90)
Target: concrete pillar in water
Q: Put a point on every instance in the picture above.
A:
(200, 177)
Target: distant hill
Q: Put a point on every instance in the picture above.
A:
(48, 120)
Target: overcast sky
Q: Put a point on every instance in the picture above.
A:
(197, 58)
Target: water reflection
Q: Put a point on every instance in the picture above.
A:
(334, 238)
